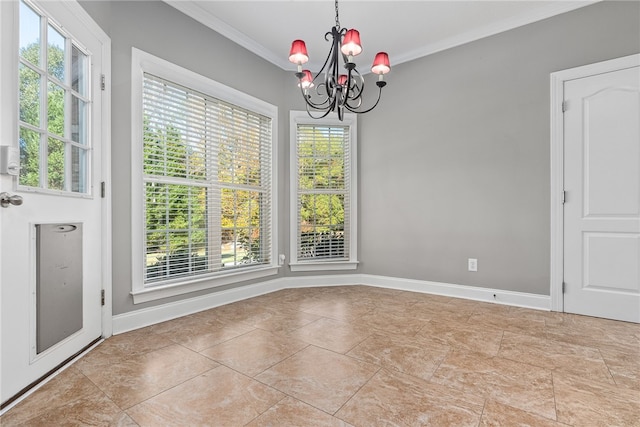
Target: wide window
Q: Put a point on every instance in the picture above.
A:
(206, 180)
(54, 107)
(323, 193)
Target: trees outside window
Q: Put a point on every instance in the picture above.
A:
(206, 174)
(323, 192)
(53, 107)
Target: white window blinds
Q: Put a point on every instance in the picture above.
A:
(323, 196)
(207, 184)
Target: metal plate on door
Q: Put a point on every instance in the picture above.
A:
(58, 283)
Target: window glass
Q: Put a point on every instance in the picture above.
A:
(204, 163)
(55, 146)
(56, 53)
(323, 193)
(78, 71)
(29, 95)
(55, 109)
(29, 34)
(29, 157)
(55, 164)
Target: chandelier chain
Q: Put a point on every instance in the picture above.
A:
(337, 20)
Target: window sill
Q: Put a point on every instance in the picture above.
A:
(326, 266)
(153, 293)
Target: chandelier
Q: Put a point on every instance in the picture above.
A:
(333, 89)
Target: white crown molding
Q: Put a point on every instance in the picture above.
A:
(493, 29)
(201, 15)
(196, 12)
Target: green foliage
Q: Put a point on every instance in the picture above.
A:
(241, 217)
(175, 214)
(321, 168)
(321, 173)
(31, 156)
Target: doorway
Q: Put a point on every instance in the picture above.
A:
(595, 194)
(55, 253)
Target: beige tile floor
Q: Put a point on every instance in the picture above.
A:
(352, 356)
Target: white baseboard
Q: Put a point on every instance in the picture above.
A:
(497, 296)
(161, 313)
(149, 316)
(322, 280)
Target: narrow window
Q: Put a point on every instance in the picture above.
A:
(323, 193)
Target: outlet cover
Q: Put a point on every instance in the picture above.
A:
(473, 264)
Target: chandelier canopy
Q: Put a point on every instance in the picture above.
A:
(333, 89)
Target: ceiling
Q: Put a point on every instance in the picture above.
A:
(405, 29)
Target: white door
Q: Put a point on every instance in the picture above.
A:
(602, 202)
(50, 113)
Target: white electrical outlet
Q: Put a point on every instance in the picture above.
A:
(473, 264)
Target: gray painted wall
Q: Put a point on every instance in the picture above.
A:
(161, 30)
(454, 163)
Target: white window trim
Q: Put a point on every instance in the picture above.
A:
(142, 62)
(350, 119)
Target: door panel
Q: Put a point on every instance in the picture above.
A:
(602, 184)
(611, 152)
(54, 120)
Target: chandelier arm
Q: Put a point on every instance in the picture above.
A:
(325, 100)
(354, 107)
(358, 86)
(310, 103)
(366, 111)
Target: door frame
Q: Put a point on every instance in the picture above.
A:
(83, 16)
(558, 79)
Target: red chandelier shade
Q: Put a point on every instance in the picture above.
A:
(342, 80)
(298, 54)
(351, 45)
(306, 81)
(381, 64)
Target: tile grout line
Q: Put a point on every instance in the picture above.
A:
(355, 393)
(608, 368)
(482, 412)
(266, 410)
(501, 341)
(218, 343)
(555, 401)
(172, 387)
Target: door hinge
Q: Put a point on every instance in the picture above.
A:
(103, 190)
(564, 287)
(564, 196)
(103, 82)
(102, 297)
(565, 106)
